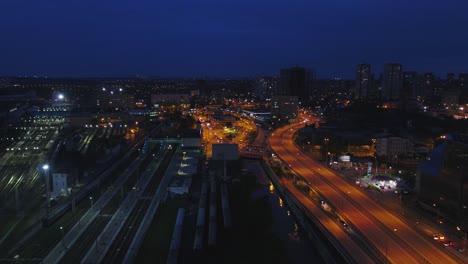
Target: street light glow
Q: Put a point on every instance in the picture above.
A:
(61, 96)
(45, 167)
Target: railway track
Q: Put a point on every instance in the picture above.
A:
(124, 238)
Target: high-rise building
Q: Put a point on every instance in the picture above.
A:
(284, 109)
(392, 81)
(265, 87)
(428, 84)
(411, 87)
(450, 77)
(363, 81)
(463, 81)
(296, 81)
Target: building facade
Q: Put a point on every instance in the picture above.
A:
(296, 81)
(265, 87)
(392, 81)
(363, 81)
(284, 109)
(393, 147)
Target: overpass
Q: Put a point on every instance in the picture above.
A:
(263, 116)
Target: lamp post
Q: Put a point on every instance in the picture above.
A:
(376, 165)
(46, 167)
(438, 212)
(386, 247)
(464, 238)
(374, 141)
(92, 202)
(325, 141)
(63, 238)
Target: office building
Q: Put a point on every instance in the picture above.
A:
(392, 81)
(284, 109)
(411, 85)
(265, 87)
(427, 85)
(393, 147)
(296, 81)
(363, 81)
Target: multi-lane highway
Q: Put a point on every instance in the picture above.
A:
(393, 237)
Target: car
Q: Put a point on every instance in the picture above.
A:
(436, 237)
(345, 225)
(448, 243)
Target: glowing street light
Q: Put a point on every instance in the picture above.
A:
(325, 141)
(464, 238)
(63, 238)
(46, 167)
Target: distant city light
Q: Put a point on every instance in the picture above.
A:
(61, 96)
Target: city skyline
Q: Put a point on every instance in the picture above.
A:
(230, 39)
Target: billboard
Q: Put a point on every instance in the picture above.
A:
(225, 152)
(345, 158)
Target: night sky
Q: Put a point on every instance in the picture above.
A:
(216, 38)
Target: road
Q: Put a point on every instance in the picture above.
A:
(355, 251)
(392, 236)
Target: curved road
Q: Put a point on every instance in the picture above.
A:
(392, 236)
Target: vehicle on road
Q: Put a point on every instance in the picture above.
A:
(448, 243)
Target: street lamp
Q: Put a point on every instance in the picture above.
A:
(63, 238)
(376, 165)
(386, 246)
(464, 238)
(325, 141)
(46, 167)
(438, 212)
(91, 199)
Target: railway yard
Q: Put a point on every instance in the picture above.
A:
(67, 228)
(122, 191)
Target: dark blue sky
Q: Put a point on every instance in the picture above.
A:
(219, 38)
